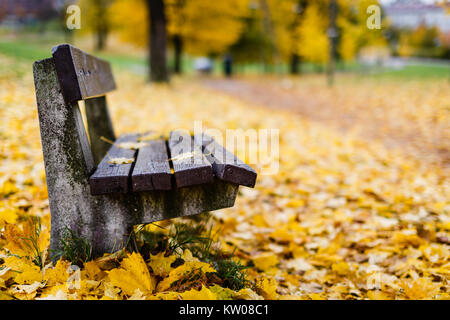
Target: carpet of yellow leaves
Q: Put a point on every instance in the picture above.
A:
(343, 219)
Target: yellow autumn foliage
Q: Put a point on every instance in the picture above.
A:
(133, 274)
(346, 217)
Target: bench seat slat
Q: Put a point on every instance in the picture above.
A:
(114, 178)
(189, 165)
(152, 169)
(226, 165)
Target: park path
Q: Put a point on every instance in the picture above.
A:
(391, 113)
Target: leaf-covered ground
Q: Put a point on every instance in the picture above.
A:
(343, 218)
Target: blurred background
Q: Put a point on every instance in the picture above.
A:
(380, 69)
(359, 91)
(239, 36)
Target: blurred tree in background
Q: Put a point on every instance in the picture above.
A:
(424, 41)
(354, 34)
(198, 27)
(157, 41)
(203, 27)
(266, 33)
(129, 20)
(97, 20)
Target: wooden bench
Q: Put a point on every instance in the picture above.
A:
(101, 190)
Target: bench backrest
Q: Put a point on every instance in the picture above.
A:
(82, 76)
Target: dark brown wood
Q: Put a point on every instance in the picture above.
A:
(226, 166)
(99, 125)
(189, 165)
(81, 75)
(152, 170)
(114, 178)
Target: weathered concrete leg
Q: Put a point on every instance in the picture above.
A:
(99, 125)
(104, 221)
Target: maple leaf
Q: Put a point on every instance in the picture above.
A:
(110, 291)
(161, 264)
(189, 268)
(137, 295)
(120, 160)
(92, 271)
(188, 257)
(7, 216)
(248, 294)
(131, 145)
(420, 288)
(202, 294)
(133, 274)
(22, 270)
(58, 292)
(26, 292)
(267, 287)
(222, 293)
(57, 274)
(265, 261)
(299, 264)
(170, 295)
(378, 295)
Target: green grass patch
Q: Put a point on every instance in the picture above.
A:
(417, 72)
(195, 235)
(32, 242)
(74, 248)
(28, 51)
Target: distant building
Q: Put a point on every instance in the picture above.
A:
(412, 13)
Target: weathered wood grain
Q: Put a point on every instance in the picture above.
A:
(99, 125)
(81, 75)
(161, 205)
(152, 170)
(189, 165)
(114, 178)
(226, 165)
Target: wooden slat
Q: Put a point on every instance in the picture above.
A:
(161, 205)
(188, 170)
(113, 178)
(152, 170)
(81, 75)
(226, 165)
(99, 125)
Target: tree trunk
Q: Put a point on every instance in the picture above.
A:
(271, 53)
(295, 63)
(157, 43)
(178, 49)
(101, 39)
(332, 36)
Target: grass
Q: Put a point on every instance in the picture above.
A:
(232, 273)
(74, 248)
(32, 242)
(201, 241)
(28, 51)
(29, 47)
(418, 71)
